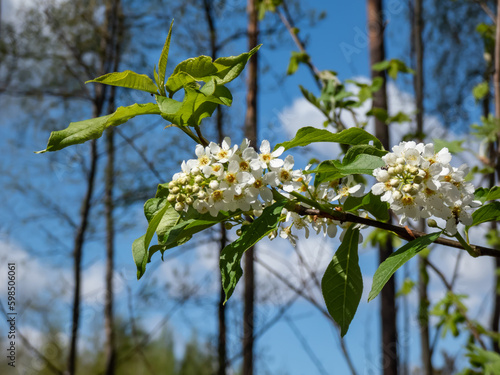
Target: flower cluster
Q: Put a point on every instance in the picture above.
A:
(419, 183)
(238, 178)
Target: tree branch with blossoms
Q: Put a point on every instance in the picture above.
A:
(258, 193)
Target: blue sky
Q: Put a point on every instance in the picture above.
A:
(338, 43)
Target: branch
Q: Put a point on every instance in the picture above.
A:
(402, 232)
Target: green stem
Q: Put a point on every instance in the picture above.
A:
(466, 246)
(203, 140)
(190, 134)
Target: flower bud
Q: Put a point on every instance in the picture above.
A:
(181, 198)
(391, 171)
(189, 189)
(239, 232)
(257, 213)
(413, 170)
(179, 206)
(189, 201)
(397, 195)
(400, 161)
(417, 179)
(407, 188)
(228, 225)
(195, 188)
(171, 198)
(175, 190)
(398, 169)
(394, 182)
(171, 184)
(198, 179)
(202, 195)
(183, 180)
(195, 171)
(246, 222)
(214, 184)
(432, 223)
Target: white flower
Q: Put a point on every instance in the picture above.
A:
(266, 158)
(224, 153)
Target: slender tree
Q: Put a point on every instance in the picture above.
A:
(251, 134)
(388, 300)
(423, 277)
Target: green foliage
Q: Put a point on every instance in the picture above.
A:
(370, 203)
(455, 147)
(199, 101)
(489, 212)
(197, 104)
(487, 362)
(487, 194)
(352, 136)
(332, 169)
(162, 63)
(393, 67)
(82, 131)
(450, 310)
(231, 255)
(406, 287)
(127, 79)
(342, 283)
(296, 59)
(397, 259)
(481, 90)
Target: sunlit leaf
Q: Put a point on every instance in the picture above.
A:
(342, 283)
(128, 79)
(82, 131)
(351, 136)
(231, 255)
(397, 259)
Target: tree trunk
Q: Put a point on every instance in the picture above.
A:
(388, 303)
(251, 134)
(496, 83)
(77, 253)
(115, 15)
(423, 277)
(221, 308)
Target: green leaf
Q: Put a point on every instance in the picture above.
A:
(489, 212)
(128, 79)
(370, 203)
(481, 90)
(399, 118)
(484, 194)
(342, 283)
(397, 259)
(379, 113)
(197, 104)
(162, 63)
(354, 151)
(140, 246)
(201, 68)
(455, 147)
(231, 255)
(351, 136)
(333, 169)
(82, 131)
(295, 60)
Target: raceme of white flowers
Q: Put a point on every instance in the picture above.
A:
(419, 183)
(231, 178)
(416, 182)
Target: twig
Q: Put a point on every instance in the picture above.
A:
(487, 10)
(402, 232)
(449, 287)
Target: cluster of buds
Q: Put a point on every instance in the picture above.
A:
(419, 183)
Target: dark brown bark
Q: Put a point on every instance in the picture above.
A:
(115, 34)
(251, 134)
(388, 300)
(77, 253)
(221, 308)
(423, 277)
